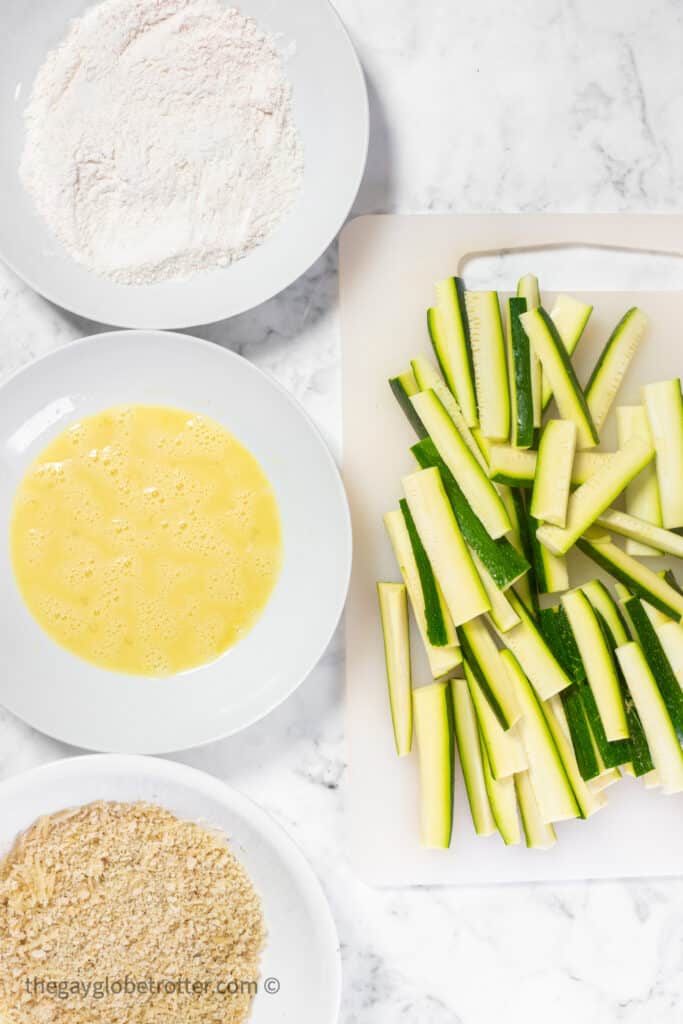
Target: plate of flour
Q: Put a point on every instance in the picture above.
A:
(168, 163)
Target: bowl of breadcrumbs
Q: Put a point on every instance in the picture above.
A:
(122, 912)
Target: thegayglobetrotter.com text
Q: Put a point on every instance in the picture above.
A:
(129, 986)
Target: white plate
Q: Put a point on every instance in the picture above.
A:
(68, 698)
(302, 949)
(331, 110)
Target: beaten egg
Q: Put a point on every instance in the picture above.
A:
(146, 539)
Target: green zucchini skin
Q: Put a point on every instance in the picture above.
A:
(469, 748)
(458, 349)
(567, 653)
(520, 377)
(641, 758)
(670, 578)
(511, 481)
(570, 317)
(478, 673)
(503, 562)
(613, 362)
(527, 544)
(550, 570)
(522, 586)
(616, 633)
(664, 743)
(603, 602)
(580, 732)
(613, 753)
(536, 556)
(436, 627)
(571, 697)
(659, 665)
(599, 553)
(502, 800)
(487, 342)
(587, 434)
(664, 405)
(402, 391)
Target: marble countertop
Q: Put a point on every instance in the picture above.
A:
(542, 105)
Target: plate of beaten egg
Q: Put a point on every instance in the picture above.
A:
(177, 543)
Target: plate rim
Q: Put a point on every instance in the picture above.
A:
(341, 498)
(154, 322)
(230, 798)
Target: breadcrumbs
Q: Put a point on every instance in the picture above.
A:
(93, 896)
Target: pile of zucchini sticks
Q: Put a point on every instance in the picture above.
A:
(550, 694)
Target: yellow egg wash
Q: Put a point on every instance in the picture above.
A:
(146, 540)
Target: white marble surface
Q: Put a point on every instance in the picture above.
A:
(539, 105)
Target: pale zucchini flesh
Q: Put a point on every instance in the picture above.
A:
(533, 654)
(472, 479)
(503, 746)
(483, 659)
(557, 366)
(661, 735)
(642, 494)
(603, 602)
(614, 361)
(516, 467)
(503, 802)
(547, 773)
(490, 367)
(671, 638)
(651, 780)
(570, 317)
(656, 538)
(428, 377)
(538, 834)
(502, 613)
(440, 629)
(448, 553)
(527, 289)
(393, 604)
(554, 472)
(433, 718)
(635, 576)
(551, 571)
(665, 416)
(591, 499)
(597, 660)
(504, 563)
(442, 660)
(655, 655)
(469, 750)
(589, 802)
(449, 332)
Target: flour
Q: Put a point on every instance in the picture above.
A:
(160, 139)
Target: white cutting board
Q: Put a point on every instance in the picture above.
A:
(388, 265)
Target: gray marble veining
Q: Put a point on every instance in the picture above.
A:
(540, 105)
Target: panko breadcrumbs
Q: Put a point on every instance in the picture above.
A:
(109, 891)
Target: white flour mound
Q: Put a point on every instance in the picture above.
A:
(160, 139)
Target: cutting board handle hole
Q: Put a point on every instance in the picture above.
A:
(575, 267)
